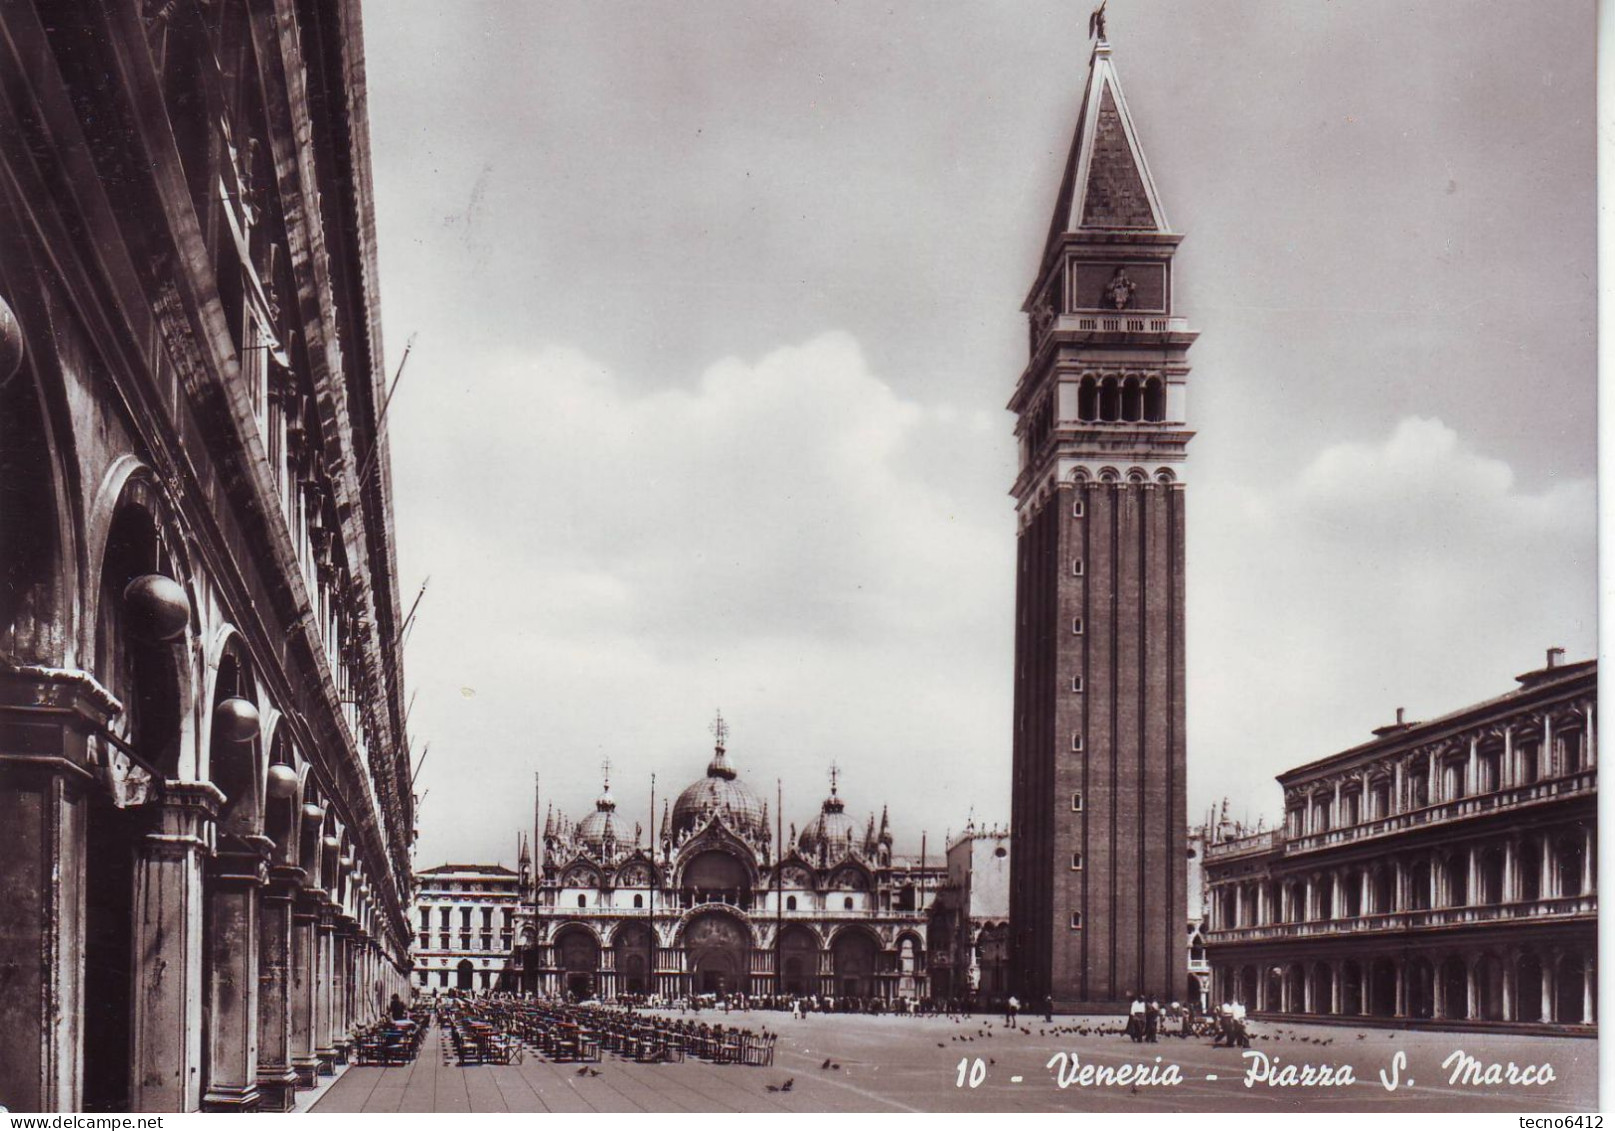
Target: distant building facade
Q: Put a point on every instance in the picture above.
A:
(719, 905)
(969, 927)
(1444, 871)
(465, 927)
(1098, 879)
(205, 812)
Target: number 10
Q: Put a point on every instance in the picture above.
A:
(976, 1068)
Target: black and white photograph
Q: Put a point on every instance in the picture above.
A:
(960, 556)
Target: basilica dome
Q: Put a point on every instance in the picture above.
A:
(720, 794)
(832, 830)
(600, 827)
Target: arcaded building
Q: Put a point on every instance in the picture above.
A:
(1098, 885)
(1444, 871)
(205, 814)
(725, 901)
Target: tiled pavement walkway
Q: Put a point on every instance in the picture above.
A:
(909, 1064)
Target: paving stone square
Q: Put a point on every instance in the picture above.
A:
(913, 1064)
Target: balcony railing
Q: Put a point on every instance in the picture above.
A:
(1245, 845)
(1124, 323)
(1558, 908)
(1586, 781)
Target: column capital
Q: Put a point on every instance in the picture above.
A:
(284, 882)
(46, 718)
(184, 812)
(244, 861)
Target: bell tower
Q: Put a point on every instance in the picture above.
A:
(1098, 906)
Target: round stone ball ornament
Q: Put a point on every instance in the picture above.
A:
(282, 782)
(158, 607)
(11, 345)
(236, 719)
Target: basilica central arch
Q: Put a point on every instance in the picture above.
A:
(852, 957)
(718, 952)
(577, 953)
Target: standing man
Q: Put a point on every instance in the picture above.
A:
(1011, 1008)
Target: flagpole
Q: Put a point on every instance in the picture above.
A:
(779, 884)
(650, 902)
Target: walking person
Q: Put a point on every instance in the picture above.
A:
(1135, 1018)
(1048, 1008)
(1011, 1008)
(1152, 1021)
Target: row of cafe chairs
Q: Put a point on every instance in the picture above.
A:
(494, 1032)
(390, 1042)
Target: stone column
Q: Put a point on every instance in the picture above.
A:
(1589, 1000)
(1511, 958)
(231, 896)
(1471, 988)
(1438, 986)
(324, 997)
(304, 977)
(342, 943)
(167, 1069)
(1511, 870)
(1548, 886)
(46, 778)
(1336, 997)
(277, 1080)
(1549, 962)
(1435, 792)
(1365, 892)
(1589, 856)
(1401, 1006)
(1399, 801)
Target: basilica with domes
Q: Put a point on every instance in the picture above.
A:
(722, 900)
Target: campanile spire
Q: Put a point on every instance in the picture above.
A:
(1097, 899)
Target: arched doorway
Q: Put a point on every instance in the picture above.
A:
(1351, 988)
(1568, 855)
(1528, 987)
(1247, 987)
(1569, 998)
(1323, 985)
(145, 672)
(852, 958)
(718, 950)
(1455, 988)
(717, 877)
(633, 957)
(798, 956)
(1275, 990)
(908, 966)
(1382, 992)
(577, 953)
(1489, 988)
(1295, 988)
(464, 975)
(1421, 988)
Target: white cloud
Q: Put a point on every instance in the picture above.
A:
(620, 559)
(1412, 571)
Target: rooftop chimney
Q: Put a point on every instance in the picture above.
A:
(1554, 656)
(1401, 723)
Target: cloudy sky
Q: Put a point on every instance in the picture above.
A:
(716, 310)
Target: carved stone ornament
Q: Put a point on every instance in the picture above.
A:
(1119, 291)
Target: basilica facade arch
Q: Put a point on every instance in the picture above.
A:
(722, 903)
